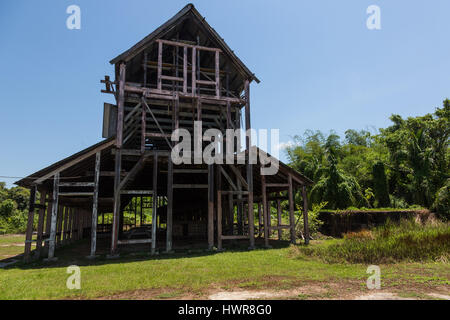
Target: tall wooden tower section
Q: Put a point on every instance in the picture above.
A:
(181, 73)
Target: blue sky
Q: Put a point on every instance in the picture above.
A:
(320, 67)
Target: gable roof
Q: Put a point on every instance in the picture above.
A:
(166, 27)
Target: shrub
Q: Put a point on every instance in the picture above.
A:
(442, 203)
(407, 240)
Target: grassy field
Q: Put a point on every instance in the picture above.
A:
(198, 275)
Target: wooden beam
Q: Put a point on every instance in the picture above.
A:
(143, 128)
(226, 237)
(194, 71)
(116, 212)
(76, 184)
(280, 232)
(160, 52)
(305, 214)
(211, 208)
(217, 82)
(227, 177)
(52, 239)
(40, 227)
(75, 161)
(154, 202)
(266, 211)
(169, 205)
(291, 208)
(136, 241)
(95, 205)
(219, 220)
(29, 233)
(120, 105)
(190, 186)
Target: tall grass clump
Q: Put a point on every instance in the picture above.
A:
(408, 240)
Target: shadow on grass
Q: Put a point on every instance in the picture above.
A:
(76, 254)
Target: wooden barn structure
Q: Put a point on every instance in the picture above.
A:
(181, 73)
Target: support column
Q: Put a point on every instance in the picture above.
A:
(305, 215)
(251, 219)
(48, 221)
(211, 208)
(259, 220)
(95, 205)
(291, 209)
(115, 226)
(71, 225)
(41, 220)
(59, 226)
(52, 240)
(280, 232)
(154, 201)
(266, 213)
(29, 234)
(169, 204)
(219, 220)
(118, 161)
(65, 224)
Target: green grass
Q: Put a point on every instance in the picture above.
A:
(175, 275)
(9, 245)
(406, 241)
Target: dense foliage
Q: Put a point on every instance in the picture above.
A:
(405, 164)
(13, 209)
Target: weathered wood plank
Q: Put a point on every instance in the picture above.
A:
(52, 239)
(29, 233)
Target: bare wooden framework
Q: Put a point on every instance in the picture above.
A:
(166, 83)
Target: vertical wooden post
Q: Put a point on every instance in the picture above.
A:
(145, 68)
(291, 209)
(59, 225)
(280, 232)
(29, 234)
(120, 106)
(48, 220)
(154, 201)
(52, 240)
(143, 128)
(71, 226)
(259, 220)
(169, 204)
(95, 205)
(115, 226)
(230, 215)
(217, 74)
(266, 211)
(251, 224)
(66, 226)
(40, 228)
(78, 223)
(194, 71)
(160, 50)
(211, 208)
(219, 220)
(305, 215)
(185, 70)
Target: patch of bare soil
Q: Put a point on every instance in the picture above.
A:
(269, 290)
(151, 294)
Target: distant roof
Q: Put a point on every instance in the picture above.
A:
(166, 27)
